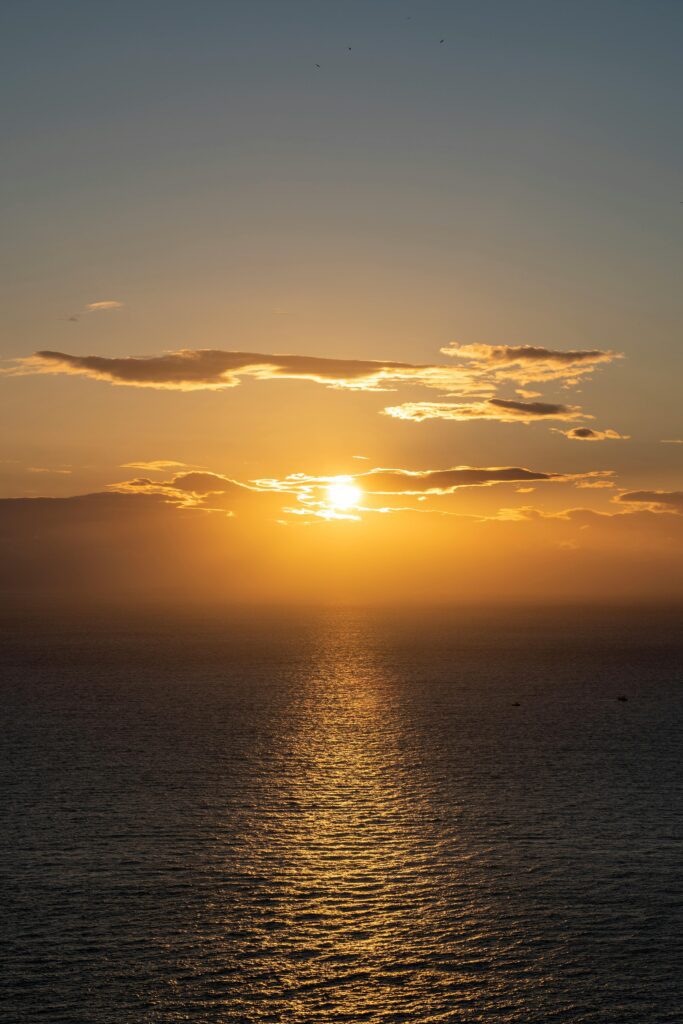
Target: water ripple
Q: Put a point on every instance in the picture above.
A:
(343, 820)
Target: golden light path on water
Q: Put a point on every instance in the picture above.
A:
(354, 867)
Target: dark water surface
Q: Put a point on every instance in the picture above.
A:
(342, 817)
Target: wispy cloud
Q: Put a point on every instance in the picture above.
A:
(498, 409)
(211, 492)
(527, 363)
(299, 493)
(155, 466)
(103, 306)
(427, 481)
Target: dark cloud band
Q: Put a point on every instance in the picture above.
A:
(477, 366)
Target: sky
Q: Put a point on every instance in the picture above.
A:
(312, 301)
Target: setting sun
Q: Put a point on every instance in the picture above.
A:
(342, 493)
(340, 406)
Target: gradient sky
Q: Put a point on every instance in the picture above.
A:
(510, 193)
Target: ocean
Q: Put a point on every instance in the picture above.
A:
(342, 815)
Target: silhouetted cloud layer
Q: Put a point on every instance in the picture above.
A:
(136, 545)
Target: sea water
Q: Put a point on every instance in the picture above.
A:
(342, 815)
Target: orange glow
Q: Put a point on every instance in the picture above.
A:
(342, 493)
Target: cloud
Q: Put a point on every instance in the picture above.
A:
(588, 434)
(215, 369)
(35, 518)
(156, 465)
(442, 481)
(104, 547)
(301, 494)
(158, 488)
(114, 549)
(498, 409)
(380, 488)
(97, 502)
(405, 482)
(479, 370)
(655, 501)
(672, 440)
(526, 363)
(626, 518)
(212, 492)
(182, 487)
(104, 306)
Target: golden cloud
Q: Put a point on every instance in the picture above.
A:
(104, 306)
(215, 369)
(589, 434)
(155, 466)
(655, 501)
(499, 409)
(301, 494)
(478, 372)
(527, 363)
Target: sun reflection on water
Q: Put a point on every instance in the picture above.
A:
(353, 901)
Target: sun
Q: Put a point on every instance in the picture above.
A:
(343, 493)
